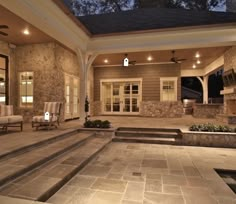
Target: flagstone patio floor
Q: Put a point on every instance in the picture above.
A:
(138, 173)
(150, 174)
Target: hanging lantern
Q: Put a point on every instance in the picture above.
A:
(126, 61)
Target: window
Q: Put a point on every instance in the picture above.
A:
(169, 89)
(26, 89)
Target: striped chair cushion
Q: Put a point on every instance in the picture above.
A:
(6, 110)
(40, 119)
(52, 107)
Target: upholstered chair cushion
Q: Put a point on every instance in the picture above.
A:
(6, 110)
(3, 120)
(15, 119)
(39, 119)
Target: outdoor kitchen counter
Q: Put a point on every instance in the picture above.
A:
(201, 110)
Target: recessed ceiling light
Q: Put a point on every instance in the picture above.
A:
(194, 66)
(149, 58)
(197, 55)
(198, 62)
(106, 61)
(26, 31)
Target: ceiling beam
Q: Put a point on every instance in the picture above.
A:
(191, 72)
(214, 66)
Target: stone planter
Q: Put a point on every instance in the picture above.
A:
(209, 139)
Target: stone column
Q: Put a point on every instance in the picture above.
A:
(231, 5)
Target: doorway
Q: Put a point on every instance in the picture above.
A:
(121, 96)
(72, 97)
(4, 79)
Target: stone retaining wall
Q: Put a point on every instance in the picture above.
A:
(207, 110)
(161, 109)
(213, 139)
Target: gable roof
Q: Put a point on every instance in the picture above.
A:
(152, 18)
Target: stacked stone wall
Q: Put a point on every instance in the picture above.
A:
(161, 109)
(49, 62)
(207, 111)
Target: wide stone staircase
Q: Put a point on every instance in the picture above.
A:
(148, 135)
(36, 172)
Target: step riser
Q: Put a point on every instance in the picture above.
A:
(123, 134)
(32, 146)
(54, 189)
(148, 129)
(145, 141)
(41, 162)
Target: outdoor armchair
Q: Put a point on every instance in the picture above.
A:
(54, 109)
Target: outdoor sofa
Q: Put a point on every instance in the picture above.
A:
(8, 119)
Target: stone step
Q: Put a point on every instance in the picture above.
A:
(40, 184)
(149, 140)
(15, 167)
(146, 134)
(172, 130)
(36, 142)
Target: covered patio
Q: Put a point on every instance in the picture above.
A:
(47, 54)
(88, 61)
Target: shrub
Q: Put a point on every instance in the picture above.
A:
(211, 128)
(97, 124)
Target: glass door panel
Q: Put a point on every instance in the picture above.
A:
(126, 105)
(107, 97)
(121, 97)
(67, 99)
(4, 79)
(116, 97)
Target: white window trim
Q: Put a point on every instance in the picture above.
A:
(20, 103)
(162, 79)
(121, 80)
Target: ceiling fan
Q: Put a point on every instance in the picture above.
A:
(3, 27)
(176, 59)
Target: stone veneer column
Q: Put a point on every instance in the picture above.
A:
(231, 5)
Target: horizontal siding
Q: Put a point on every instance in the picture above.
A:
(149, 73)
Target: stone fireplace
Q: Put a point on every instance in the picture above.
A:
(229, 114)
(229, 92)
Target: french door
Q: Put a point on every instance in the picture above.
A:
(4, 79)
(72, 97)
(121, 97)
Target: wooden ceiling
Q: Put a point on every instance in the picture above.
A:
(16, 26)
(207, 56)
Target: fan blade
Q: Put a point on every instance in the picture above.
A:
(3, 27)
(2, 33)
(132, 62)
(181, 59)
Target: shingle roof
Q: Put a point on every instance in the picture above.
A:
(153, 18)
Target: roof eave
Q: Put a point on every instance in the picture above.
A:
(187, 28)
(62, 6)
